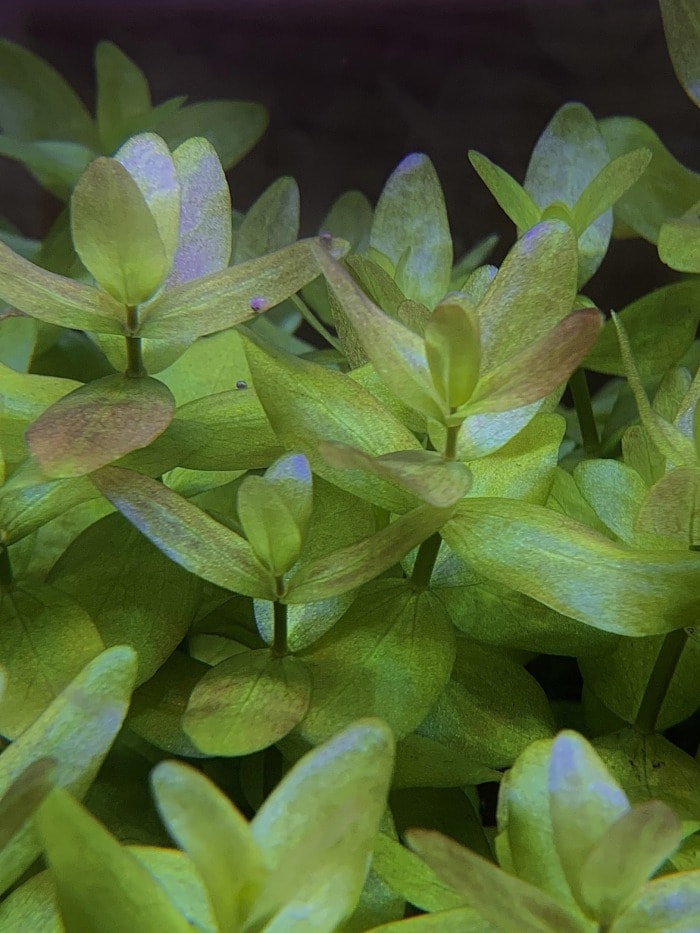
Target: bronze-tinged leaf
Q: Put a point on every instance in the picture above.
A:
(99, 423)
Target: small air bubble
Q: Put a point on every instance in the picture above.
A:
(241, 384)
(257, 304)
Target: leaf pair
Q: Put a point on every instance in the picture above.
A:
(483, 360)
(571, 845)
(276, 873)
(570, 178)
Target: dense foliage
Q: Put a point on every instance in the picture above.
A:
(299, 538)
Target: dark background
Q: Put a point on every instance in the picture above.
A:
(353, 85)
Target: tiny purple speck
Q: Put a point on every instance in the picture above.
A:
(259, 304)
(325, 236)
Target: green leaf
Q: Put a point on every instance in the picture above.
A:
(620, 678)
(99, 884)
(268, 525)
(667, 905)
(295, 395)
(425, 473)
(56, 164)
(55, 299)
(410, 228)
(204, 823)
(670, 442)
(292, 479)
(157, 599)
(457, 920)
(525, 824)
(350, 218)
(207, 442)
(390, 656)
(18, 336)
(148, 161)
(649, 766)
(666, 189)
(508, 903)
(452, 349)
(474, 724)
(575, 570)
(566, 159)
(229, 297)
(358, 563)
(77, 731)
(661, 328)
(204, 240)
(36, 102)
(28, 501)
(616, 492)
(584, 801)
(123, 95)
(523, 468)
(537, 370)
(157, 706)
(184, 532)
(682, 27)
(208, 366)
(99, 423)
(45, 641)
(626, 856)
(271, 223)
(679, 242)
(23, 797)
(532, 292)
(405, 873)
(397, 353)
(232, 127)
(115, 234)
(247, 703)
(510, 196)
(319, 860)
(608, 186)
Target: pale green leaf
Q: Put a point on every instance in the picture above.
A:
(510, 196)
(77, 731)
(682, 27)
(115, 234)
(608, 186)
(667, 905)
(207, 826)
(123, 95)
(271, 223)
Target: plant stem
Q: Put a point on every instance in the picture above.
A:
(425, 561)
(451, 442)
(660, 680)
(584, 412)
(7, 578)
(134, 358)
(280, 648)
(317, 325)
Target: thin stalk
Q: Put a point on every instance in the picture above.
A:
(660, 680)
(7, 578)
(425, 561)
(451, 442)
(584, 411)
(134, 357)
(280, 647)
(317, 325)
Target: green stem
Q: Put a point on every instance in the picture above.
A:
(317, 325)
(660, 680)
(134, 357)
(425, 561)
(451, 442)
(7, 578)
(280, 648)
(584, 412)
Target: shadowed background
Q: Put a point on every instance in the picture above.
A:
(352, 86)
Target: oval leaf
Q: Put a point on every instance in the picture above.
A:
(247, 703)
(99, 423)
